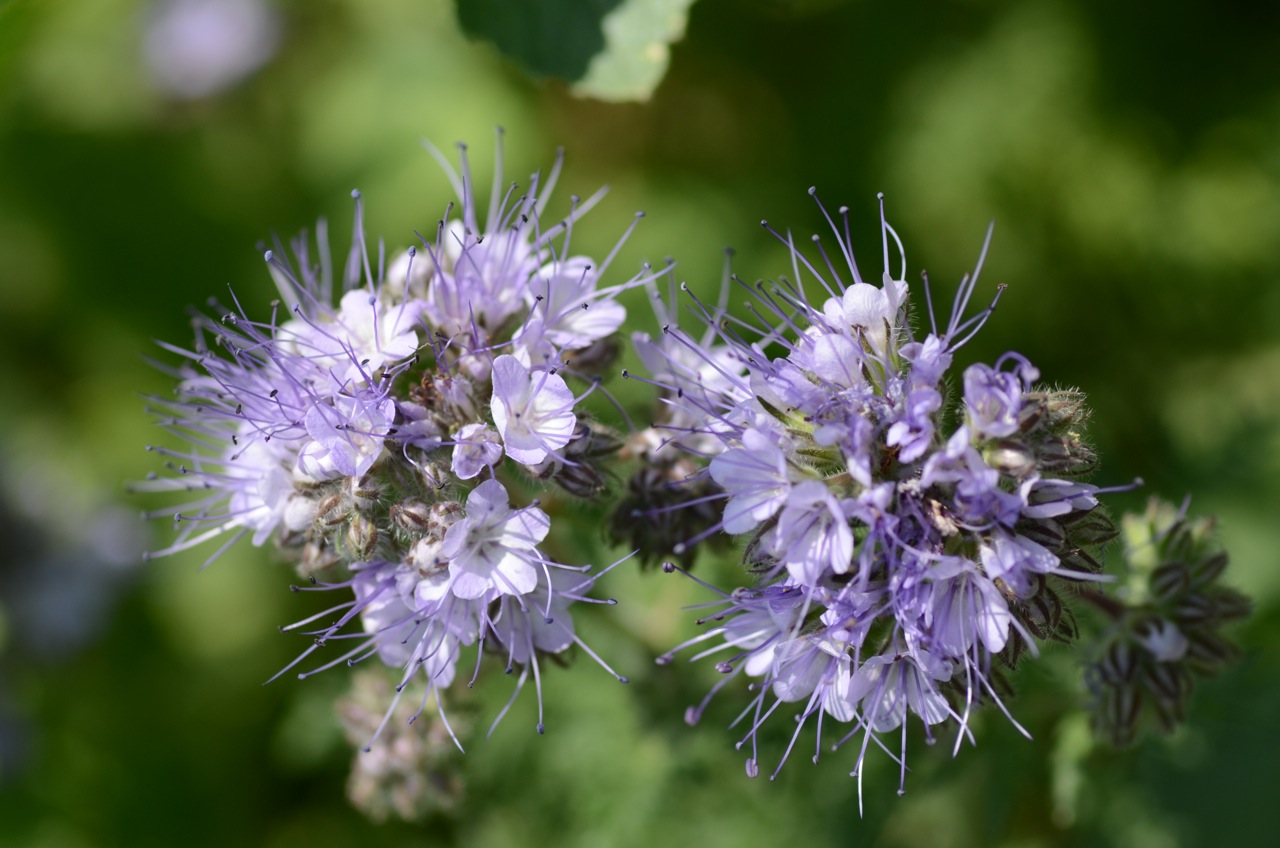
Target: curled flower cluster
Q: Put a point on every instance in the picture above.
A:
(1165, 624)
(369, 438)
(908, 545)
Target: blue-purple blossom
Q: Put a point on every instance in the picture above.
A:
(366, 427)
(492, 551)
(532, 411)
(904, 546)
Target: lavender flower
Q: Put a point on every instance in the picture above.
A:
(534, 417)
(908, 549)
(369, 439)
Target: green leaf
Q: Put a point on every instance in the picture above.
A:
(612, 50)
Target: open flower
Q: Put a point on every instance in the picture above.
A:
(493, 550)
(532, 410)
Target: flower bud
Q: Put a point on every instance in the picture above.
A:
(442, 516)
(1163, 680)
(1078, 559)
(1065, 457)
(1169, 581)
(1118, 714)
(581, 480)
(411, 516)
(1163, 640)
(665, 506)
(596, 358)
(1207, 652)
(331, 511)
(1117, 664)
(363, 492)
(1054, 411)
(1089, 527)
(1011, 457)
(1043, 531)
(362, 536)
(1210, 568)
(424, 555)
(317, 556)
(299, 513)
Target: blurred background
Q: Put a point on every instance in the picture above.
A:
(1129, 157)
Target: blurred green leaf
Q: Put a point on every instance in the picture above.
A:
(612, 50)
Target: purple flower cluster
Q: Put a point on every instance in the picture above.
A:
(371, 436)
(907, 544)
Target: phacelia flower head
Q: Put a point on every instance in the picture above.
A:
(370, 426)
(909, 542)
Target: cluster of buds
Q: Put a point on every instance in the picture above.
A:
(1166, 624)
(411, 770)
(373, 439)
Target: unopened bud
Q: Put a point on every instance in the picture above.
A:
(1229, 605)
(1117, 665)
(1089, 527)
(362, 536)
(317, 556)
(1164, 641)
(410, 516)
(1011, 457)
(592, 441)
(596, 358)
(299, 512)
(424, 555)
(1209, 568)
(1065, 456)
(1169, 581)
(363, 492)
(1055, 411)
(442, 516)
(1165, 681)
(1208, 652)
(1078, 559)
(332, 510)
(581, 480)
(1043, 531)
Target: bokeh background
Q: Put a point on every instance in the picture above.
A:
(1129, 155)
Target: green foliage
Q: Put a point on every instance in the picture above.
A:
(614, 50)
